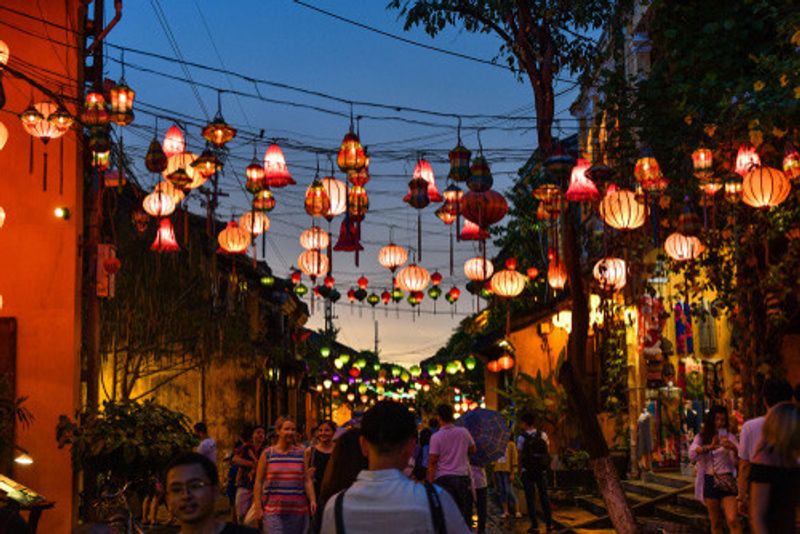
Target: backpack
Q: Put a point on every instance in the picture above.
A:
(434, 504)
(534, 456)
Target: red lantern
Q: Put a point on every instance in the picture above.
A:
(532, 272)
(256, 177)
(296, 277)
(351, 295)
(436, 278)
(424, 171)
(360, 178)
(494, 366)
(472, 232)
(349, 237)
(454, 293)
(276, 173)
(317, 202)
(746, 160)
(386, 297)
(362, 282)
(358, 203)
(703, 163)
(417, 195)
(484, 209)
(791, 162)
(351, 156)
(174, 142)
(329, 282)
(648, 175)
(392, 256)
(233, 239)
(337, 195)
(478, 269)
(94, 110)
(581, 188)
(446, 214)
(621, 209)
(165, 238)
(556, 274)
(413, 278)
(765, 187)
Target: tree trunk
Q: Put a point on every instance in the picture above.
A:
(544, 105)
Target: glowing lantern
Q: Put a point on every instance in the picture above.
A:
(508, 283)
(218, 132)
(155, 160)
(256, 181)
(682, 247)
(373, 299)
(313, 263)
(360, 178)
(532, 272)
(472, 232)
(94, 109)
(234, 239)
(314, 238)
(158, 204)
(351, 156)
(470, 363)
(174, 142)
(436, 278)
(2, 216)
(61, 119)
(746, 159)
(494, 366)
(392, 256)
(478, 269)
(351, 295)
(5, 53)
(505, 362)
(459, 163)
(101, 160)
(711, 185)
(337, 195)
(556, 274)
(386, 297)
(165, 238)
(189, 178)
(275, 169)
(362, 282)
(417, 195)
(791, 161)
(703, 163)
(357, 203)
(35, 121)
(446, 214)
(317, 202)
(485, 208)
(621, 210)
(648, 174)
(733, 188)
(264, 200)
(563, 320)
(206, 165)
(296, 277)
(610, 273)
(764, 187)
(581, 188)
(413, 278)
(254, 222)
(329, 282)
(121, 101)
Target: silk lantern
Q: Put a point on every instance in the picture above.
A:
(392, 256)
(337, 196)
(264, 200)
(621, 209)
(581, 188)
(472, 232)
(313, 263)
(256, 177)
(174, 142)
(648, 174)
(317, 202)
(746, 159)
(413, 278)
(765, 187)
(556, 274)
(165, 238)
(459, 163)
(682, 247)
(478, 269)
(480, 176)
(254, 222)
(158, 204)
(276, 173)
(218, 132)
(351, 157)
(484, 208)
(234, 239)
(314, 238)
(610, 273)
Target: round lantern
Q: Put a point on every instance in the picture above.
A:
(36, 121)
(313, 263)
(234, 239)
(206, 164)
(155, 160)
(254, 222)
(746, 160)
(505, 362)
(264, 200)
(174, 193)
(357, 203)
(493, 366)
(392, 256)
(314, 238)
(764, 187)
(532, 272)
(621, 210)
(682, 247)
(158, 204)
(648, 174)
(351, 156)
(413, 278)
(256, 180)
(557, 274)
(337, 196)
(484, 209)
(362, 282)
(453, 294)
(276, 173)
(386, 297)
(581, 188)
(508, 283)
(480, 176)
(610, 273)
(373, 299)
(296, 277)
(174, 142)
(791, 161)
(478, 269)
(459, 163)
(317, 202)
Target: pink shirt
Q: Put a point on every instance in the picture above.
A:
(451, 444)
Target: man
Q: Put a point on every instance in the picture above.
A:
(448, 460)
(192, 484)
(534, 460)
(773, 391)
(382, 500)
(207, 447)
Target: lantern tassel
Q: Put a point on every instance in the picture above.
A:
(30, 156)
(451, 251)
(419, 235)
(44, 171)
(61, 167)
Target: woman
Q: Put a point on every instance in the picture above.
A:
(715, 451)
(480, 489)
(287, 488)
(774, 473)
(246, 458)
(345, 464)
(421, 451)
(502, 480)
(316, 459)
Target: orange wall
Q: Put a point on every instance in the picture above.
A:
(39, 271)
(535, 352)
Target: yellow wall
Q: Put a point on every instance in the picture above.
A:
(39, 272)
(536, 352)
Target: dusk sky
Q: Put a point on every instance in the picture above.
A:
(282, 41)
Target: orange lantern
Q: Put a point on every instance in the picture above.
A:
(765, 187)
(532, 272)
(174, 193)
(392, 256)
(703, 163)
(505, 362)
(337, 195)
(621, 209)
(648, 174)
(556, 274)
(35, 121)
(791, 162)
(313, 263)
(413, 278)
(360, 177)
(682, 247)
(317, 202)
(276, 172)
(121, 100)
(610, 273)
(181, 173)
(494, 366)
(362, 282)
(218, 132)
(165, 238)
(746, 159)
(446, 214)
(254, 222)
(264, 200)
(478, 269)
(508, 283)
(351, 156)
(358, 203)
(234, 239)
(94, 109)
(174, 142)
(581, 188)
(256, 180)
(158, 204)
(314, 238)
(733, 188)
(484, 208)
(206, 164)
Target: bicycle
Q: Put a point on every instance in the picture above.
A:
(113, 509)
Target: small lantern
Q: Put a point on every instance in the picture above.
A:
(337, 195)
(532, 273)
(703, 163)
(733, 188)
(765, 187)
(174, 193)
(313, 263)
(264, 200)
(436, 278)
(158, 204)
(301, 290)
(314, 238)
(362, 282)
(392, 256)
(417, 195)
(648, 175)
(218, 132)
(620, 209)
(413, 278)
(480, 176)
(317, 202)
(206, 164)
(493, 366)
(254, 222)
(746, 159)
(101, 160)
(174, 142)
(459, 163)
(505, 362)
(360, 177)
(256, 181)
(276, 172)
(373, 299)
(435, 292)
(610, 273)
(424, 170)
(478, 269)
(180, 178)
(446, 214)
(156, 159)
(165, 238)
(681, 247)
(60, 118)
(711, 185)
(94, 110)
(357, 203)
(386, 296)
(296, 277)
(234, 239)
(556, 274)
(121, 100)
(351, 157)
(329, 282)
(484, 209)
(791, 162)
(581, 188)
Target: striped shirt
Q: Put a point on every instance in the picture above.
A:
(285, 489)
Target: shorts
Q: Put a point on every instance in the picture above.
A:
(711, 491)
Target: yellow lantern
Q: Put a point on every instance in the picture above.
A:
(392, 256)
(158, 204)
(313, 263)
(351, 157)
(682, 247)
(478, 269)
(563, 320)
(314, 238)
(764, 187)
(508, 283)
(254, 222)
(621, 209)
(234, 239)
(413, 278)
(610, 273)
(183, 161)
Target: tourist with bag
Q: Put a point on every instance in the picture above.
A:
(534, 460)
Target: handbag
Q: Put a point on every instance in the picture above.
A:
(724, 482)
(250, 519)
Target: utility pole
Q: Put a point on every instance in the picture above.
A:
(377, 339)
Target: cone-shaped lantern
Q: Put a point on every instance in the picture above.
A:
(424, 170)
(349, 237)
(276, 172)
(165, 238)
(174, 142)
(557, 274)
(581, 188)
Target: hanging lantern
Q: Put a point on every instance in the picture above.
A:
(174, 142)
(360, 178)
(472, 232)
(505, 362)
(156, 159)
(446, 214)
(386, 297)
(329, 282)
(362, 282)
(681, 247)
(493, 366)
(765, 187)
(459, 163)
(313, 263)
(357, 203)
(35, 121)
(158, 204)
(478, 269)
(275, 169)
(791, 161)
(484, 209)
(206, 165)
(165, 238)
(610, 273)
(392, 256)
(234, 239)
(581, 188)
(361, 294)
(703, 163)
(648, 174)
(435, 292)
(218, 132)
(711, 185)
(397, 294)
(508, 283)
(733, 188)
(101, 160)
(559, 164)
(314, 238)
(180, 172)
(337, 195)
(620, 209)
(174, 193)
(470, 362)
(373, 299)
(424, 170)
(60, 118)
(551, 201)
(256, 181)
(413, 278)
(532, 273)
(417, 195)
(254, 222)
(179, 178)
(351, 156)
(556, 274)
(121, 101)
(349, 237)
(746, 159)
(264, 200)
(480, 176)
(317, 202)
(300, 290)
(296, 277)
(94, 110)
(436, 278)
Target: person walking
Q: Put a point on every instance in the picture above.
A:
(448, 460)
(316, 459)
(773, 391)
(479, 495)
(192, 490)
(207, 446)
(382, 500)
(421, 452)
(775, 472)
(504, 468)
(347, 461)
(287, 488)
(246, 459)
(714, 450)
(534, 460)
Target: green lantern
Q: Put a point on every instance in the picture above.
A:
(345, 358)
(435, 292)
(405, 376)
(397, 294)
(396, 371)
(362, 389)
(452, 368)
(338, 363)
(268, 280)
(300, 290)
(415, 370)
(325, 352)
(470, 363)
(376, 367)
(360, 363)
(373, 299)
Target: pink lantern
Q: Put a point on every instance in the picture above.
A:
(276, 173)
(165, 238)
(581, 188)
(746, 159)
(425, 171)
(174, 142)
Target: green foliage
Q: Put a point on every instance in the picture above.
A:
(539, 395)
(126, 441)
(12, 411)
(575, 459)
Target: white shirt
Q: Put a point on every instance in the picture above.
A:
(750, 438)
(208, 448)
(387, 502)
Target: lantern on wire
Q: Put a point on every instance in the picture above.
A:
(158, 204)
(472, 232)
(480, 176)
(121, 102)
(165, 238)
(765, 187)
(610, 273)
(703, 163)
(746, 159)
(94, 112)
(36, 122)
(648, 174)
(413, 278)
(551, 201)
(351, 157)
(254, 222)
(621, 209)
(313, 263)
(256, 177)
(317, 202)
(581, 188)
(349, 238)
(556, 273)
(314, 238)
(155, 160)
(362, 282)
(360, 178)
(218, 132)
(507, 284)
(276, 173)
(264, 200)
(391, 257)
(174, 141)
(296, 277)
(478, 269)
(357, 203)
(337, 195)
(206, 164)
(452, 295)
(682, 247)
(174, 193)
(459, 162)
(485, 208)
(418, 199)
(233, 239)
(424, 171)
(791, 162)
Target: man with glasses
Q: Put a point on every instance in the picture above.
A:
(192, 484)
